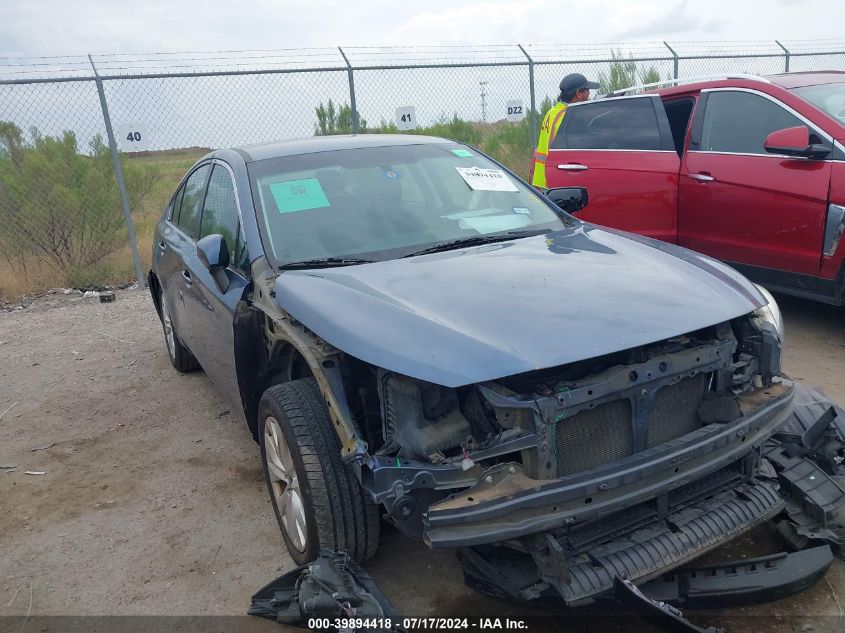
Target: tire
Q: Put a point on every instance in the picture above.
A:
(180, 356)
(321, 505)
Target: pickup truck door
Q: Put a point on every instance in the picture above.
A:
(763, 212)
(621, 150)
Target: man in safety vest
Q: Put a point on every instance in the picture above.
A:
(573, 88)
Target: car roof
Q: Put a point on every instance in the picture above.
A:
(800, 80)
(311, 145)
(783, 80)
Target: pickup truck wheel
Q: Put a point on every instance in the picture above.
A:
(318, 500)
(180, 356)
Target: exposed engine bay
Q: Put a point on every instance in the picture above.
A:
(617, 465)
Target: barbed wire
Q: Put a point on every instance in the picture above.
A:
(20, 68)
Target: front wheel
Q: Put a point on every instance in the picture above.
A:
(318, 500)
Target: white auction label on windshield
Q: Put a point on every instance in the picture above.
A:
(486, 179)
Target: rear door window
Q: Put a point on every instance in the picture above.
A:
(192, 200)
(175, 203)
(739, 122)
(611, 124)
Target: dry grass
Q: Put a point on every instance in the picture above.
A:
(33, 275)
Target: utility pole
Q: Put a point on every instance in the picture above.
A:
(483, 83)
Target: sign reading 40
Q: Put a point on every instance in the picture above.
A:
(132, 136)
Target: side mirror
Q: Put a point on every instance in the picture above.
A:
(794, 141)
(213, 252)
(570, 199)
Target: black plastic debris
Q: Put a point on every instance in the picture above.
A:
(741, 582)
(809, 460)
(332, 587)
(662, 615)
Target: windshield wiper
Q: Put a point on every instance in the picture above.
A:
(326, 262)
(474, 241)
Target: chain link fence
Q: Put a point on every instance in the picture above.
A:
(92, 147)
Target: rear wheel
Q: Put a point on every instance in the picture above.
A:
(318, 500)
(180, 356)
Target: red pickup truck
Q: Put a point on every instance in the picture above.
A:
(750, 170)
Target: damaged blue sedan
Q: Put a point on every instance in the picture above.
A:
(412, 332)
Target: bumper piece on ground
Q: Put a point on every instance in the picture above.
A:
(507, 575)
(333, 586)
(662, 615)
(743, 582)
(683, 536)
(808, 459)
(639, 556)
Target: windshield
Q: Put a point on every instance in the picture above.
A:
(829, 98)
(380, 203)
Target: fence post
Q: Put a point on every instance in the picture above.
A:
(351, 92)
(674, 60)
(785, 56)
(118, 174)
(532, 114)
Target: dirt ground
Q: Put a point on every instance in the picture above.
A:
(152, 500)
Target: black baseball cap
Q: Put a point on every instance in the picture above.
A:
(575, 82)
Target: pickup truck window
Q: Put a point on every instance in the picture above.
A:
(739, 122)
(610, 124)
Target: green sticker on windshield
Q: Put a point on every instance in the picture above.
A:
(463, 153)
(299, 195)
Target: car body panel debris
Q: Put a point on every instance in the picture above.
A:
(332, 587)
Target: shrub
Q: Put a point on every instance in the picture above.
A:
(60, 206)
(331, 120)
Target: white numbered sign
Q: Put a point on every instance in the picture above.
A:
(406, 118)
(132, 136)
(515, 111)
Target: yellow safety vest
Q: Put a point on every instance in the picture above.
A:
(548, 130)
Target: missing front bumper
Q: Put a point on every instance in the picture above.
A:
(784, 477)
(506, 504)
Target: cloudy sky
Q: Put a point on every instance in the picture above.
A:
(59, 27)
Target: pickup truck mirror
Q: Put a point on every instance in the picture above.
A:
(570, 199)
(794, 141)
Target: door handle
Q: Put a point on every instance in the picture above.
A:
(186, 275)
(573, 167)
(702, 177)
(162, 246)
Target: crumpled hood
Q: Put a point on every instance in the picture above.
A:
(480, 313)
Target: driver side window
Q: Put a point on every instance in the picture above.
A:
(220, 215)
(739, 122)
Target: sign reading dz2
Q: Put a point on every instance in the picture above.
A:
(515, 110)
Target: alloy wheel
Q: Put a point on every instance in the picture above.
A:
(284, 484)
